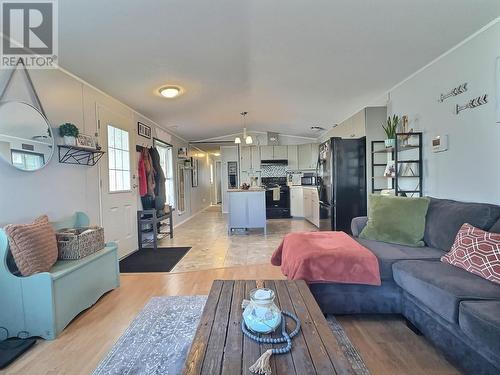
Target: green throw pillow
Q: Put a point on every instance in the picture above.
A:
(397, 220)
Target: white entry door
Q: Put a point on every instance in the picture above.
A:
(118, 183)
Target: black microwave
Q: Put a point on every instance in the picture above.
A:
(308, 180)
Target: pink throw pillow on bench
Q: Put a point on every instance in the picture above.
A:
(33, 246)
(477, 252)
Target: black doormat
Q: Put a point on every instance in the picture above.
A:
(162, 259)
(11, 349)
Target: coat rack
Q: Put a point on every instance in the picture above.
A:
(454, 92)
(473, 103)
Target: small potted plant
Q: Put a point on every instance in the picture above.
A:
(68, 132)
(391, 130)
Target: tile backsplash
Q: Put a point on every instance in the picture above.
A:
(273, 171)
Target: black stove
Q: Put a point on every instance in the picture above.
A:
(277, 197)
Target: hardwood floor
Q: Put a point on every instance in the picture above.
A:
(385, 343)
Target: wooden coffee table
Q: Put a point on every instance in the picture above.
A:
(219, 346)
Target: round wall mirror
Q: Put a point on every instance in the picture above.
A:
(26, 139)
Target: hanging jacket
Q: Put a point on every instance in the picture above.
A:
(160, 195)
(150, 173)
(141, 171)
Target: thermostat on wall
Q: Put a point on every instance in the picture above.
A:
(440, 143)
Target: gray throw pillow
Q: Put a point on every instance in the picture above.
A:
(445, 218)
(495, 228)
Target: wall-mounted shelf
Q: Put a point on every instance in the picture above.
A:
(391, 149)
(78, 155)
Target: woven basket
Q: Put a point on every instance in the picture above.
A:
(78, 243)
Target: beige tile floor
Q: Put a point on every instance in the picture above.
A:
(212, 247)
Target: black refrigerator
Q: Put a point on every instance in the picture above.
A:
(341, 182)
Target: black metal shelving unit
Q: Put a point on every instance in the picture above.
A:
(406, 169)
(378, 148)
(406, 142)
(79, 155)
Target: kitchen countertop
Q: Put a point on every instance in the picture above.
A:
(245, 191)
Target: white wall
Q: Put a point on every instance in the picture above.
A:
(353, 127)
(61, 189)
(375, 117)
(468, 171)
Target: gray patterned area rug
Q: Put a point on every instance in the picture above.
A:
(159, 338)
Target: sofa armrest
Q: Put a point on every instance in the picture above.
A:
(357, 225)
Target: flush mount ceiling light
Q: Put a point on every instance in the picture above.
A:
(248, 138)
(170, 91)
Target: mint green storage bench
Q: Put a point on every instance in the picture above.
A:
(45, 303)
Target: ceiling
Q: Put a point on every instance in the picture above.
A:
(291, 64)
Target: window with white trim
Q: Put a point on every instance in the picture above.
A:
(118, 159)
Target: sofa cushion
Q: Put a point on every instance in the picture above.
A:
(388, 253)
(33, 246)
(398, 220)
(480, 320)
(445, 217)
(441, 287)
(476, 251)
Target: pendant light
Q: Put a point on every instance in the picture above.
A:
(248, 138)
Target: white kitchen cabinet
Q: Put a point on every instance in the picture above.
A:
(280, 152)
(266, 153)
(314, 155)
(307, 204)
(249, 159)
(308, 156)
(315, 208)
(297, 201)
(245, 159)
(273, 152)
(293, 158)
(255, 152)
(304, 158)
(311, 205)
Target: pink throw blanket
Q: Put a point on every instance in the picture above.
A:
(318, 257)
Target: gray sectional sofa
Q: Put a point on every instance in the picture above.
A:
(457, 311)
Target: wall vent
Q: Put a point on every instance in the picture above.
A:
(273, 139)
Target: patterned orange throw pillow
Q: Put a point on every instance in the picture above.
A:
(33, 246)
(477, 252)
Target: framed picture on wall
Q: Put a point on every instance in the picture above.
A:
(144, 130)
(194, 172)
(182, 153)
(85, 141)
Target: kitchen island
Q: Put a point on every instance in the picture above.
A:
(247, 209)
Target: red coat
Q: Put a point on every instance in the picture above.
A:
(143, 183)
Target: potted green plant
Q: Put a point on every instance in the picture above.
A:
(391, 130)
(68, 132)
